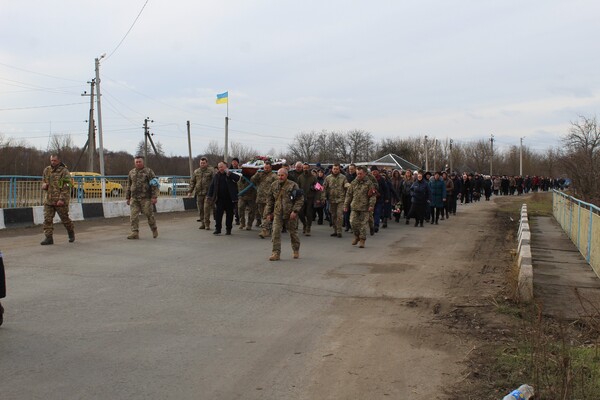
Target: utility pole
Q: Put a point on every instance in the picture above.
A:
(91, 142)
(190, 149)
(492, 158)
(435, 143)
(451, 141)
(100, 138)
(426, 156)
(146, 137)
(521, 158)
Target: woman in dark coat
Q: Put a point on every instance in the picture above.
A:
(420, 199)
(438, 197)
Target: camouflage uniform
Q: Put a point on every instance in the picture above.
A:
(281, 202)
(263, 181)
(58, 180)
(335, 192)
(199, 185)
(140, 193)
(307, 182)
(357, 198)
(371, 178)
(246, 200)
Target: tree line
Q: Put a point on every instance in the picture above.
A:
(578, 158)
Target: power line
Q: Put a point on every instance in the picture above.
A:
(39, 73)
(33, 107)
(129, 30)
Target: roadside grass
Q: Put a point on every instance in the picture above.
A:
(538, 204)
(560, 361)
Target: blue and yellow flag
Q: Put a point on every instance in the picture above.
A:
(223, 98)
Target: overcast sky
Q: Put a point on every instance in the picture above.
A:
(446, 69)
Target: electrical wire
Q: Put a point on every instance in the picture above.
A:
(39, 73)
(129, 30)
(48, 106)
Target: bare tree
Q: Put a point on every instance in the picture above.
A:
(305, 146)
(242, 151)
(361, 145)
(581, 157)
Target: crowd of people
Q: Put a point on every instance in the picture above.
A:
(353, 199)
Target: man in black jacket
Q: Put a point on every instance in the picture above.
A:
(223, 193)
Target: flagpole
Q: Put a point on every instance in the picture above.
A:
(227, 129)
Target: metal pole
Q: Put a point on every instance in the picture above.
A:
(226, 137)
(492, 157)
(451, 141)
(190, 149)
(146, 140)
(521, 159)
(100, 138)
(426, 156)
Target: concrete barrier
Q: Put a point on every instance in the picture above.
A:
(524, 259)
(75, 213)
(169, 205)
(79, 211)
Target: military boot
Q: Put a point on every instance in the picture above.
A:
(355, 240)
(47, 240)
(207, 227)
(362, 243)
(133, 235)
(155, 232)
(307, 231)
(274, 256)
(296, 253)
(202, 226)
(71, 236)
(263, 234)
(249, 228)
(242, 226)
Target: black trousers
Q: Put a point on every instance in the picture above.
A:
(417, 211)
(2, 278)
(224, 207)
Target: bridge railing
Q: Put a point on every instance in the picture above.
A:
(581, 222)
(17, 191)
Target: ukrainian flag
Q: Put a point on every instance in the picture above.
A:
(222, 98)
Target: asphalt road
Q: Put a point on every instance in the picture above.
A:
(186, 316)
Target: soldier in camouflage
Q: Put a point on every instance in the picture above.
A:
(56, 181)
(283, 206)
(263, 181)
(142, 192)
(246, 201)
(199, 185)
(361, 203)
(335, 192)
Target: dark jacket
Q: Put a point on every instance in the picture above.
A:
(420, 192)
(230, 179)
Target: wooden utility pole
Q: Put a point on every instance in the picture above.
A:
(190, 149)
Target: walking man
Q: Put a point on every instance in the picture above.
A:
(263, 181)
(223, 193)
(335, 192)
(283, 206)
(56, 181)
(199, 184)
(361, 205)
(142, 192)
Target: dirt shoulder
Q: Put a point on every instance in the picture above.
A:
(432, 311)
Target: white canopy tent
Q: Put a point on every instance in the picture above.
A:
(393, 161)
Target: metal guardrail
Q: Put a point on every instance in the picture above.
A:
(581, 222)
(26, 191)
